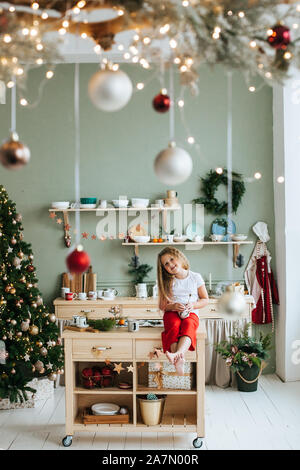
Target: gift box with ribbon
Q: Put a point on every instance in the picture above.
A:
(164, 375)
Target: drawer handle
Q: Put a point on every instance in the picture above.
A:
(86, 311)
(151, 310)
(213, 310)
(100, 348)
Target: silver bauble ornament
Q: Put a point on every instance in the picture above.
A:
(14, 154)
(13, 322)
(110, 90)
(43, 351)
(39, 365)
(52, 317)
(25, 325)
(232, 305)
(16, 261)
(39, 300)
(173, 165)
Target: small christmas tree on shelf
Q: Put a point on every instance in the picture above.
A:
(28, 330)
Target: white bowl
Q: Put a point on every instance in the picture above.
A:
(142, 239)
(180, 238)
(139, 202)
(105, 409)
(239, 237)
(216, 238)
(60, 205)
(88, 206)
(121, 203)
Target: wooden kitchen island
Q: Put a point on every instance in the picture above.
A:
(184, 409)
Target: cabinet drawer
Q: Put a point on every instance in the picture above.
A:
(146, 346)
(142, 312)
(212, 311)
(67, 312)
(102, 348)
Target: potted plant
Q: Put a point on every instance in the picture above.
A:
(151, 408)
(245, 355)
(139, 273)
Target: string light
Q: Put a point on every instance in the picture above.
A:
(280, 179)
(252, 88)
(23, 102)
(136, 37)
(12, 9)
(76, 10)
(287, 55)
(35, 6)
(295, 26)
(268, 75)
(180, 103)
(126, 55)
(191, 140)
(97, 49)
(39, 61)
(185, 3)
(140, 85)
(146, 40)
(65, 23)
(164, 29)
(135, 59)
(7, 38)
(241, 14)
(49, 74)
(25, 31)
(10, 84)
(120, 12)
(83, 35)
(257, 175)
(39, 47)
(33, 32)
(173, 43)
(120, 47)
(183, 68)
(219, 170)
(164, 91)
(19, 71)
(252, 44)
(62, 31)
(115, 67)
(133, 49)
(177, 60)
(44, 15)
(216, 33)
(81, 4)
(229, 13)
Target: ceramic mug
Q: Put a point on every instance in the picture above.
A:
(160, 202)
(103, 204)
(64, 290)
(92, 295)
(70, 296)
(110, 293)
(82, 322)
(133, 325)
(82, 296)
(100, 293)
(76, 319)
(171, 194)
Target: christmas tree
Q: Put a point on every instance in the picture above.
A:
(28, 330)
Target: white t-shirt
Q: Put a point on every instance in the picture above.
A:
(186, 290)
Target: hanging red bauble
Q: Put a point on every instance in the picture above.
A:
(14, 154)
(78, 261)
(30, 268)
(280, 37)
(161, 103)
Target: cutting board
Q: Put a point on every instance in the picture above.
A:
(89, 281)
(74, 282)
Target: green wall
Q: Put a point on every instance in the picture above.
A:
(117, 153)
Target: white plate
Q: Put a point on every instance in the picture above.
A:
(105, 409)
(107, 298)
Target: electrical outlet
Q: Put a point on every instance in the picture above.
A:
(2, 93)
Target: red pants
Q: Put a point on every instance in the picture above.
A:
(175, 327)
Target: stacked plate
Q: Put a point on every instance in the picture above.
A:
(106, 409)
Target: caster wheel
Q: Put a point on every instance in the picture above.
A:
(67, 441)
(197, 443)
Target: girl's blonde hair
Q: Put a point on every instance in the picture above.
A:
(164, 279)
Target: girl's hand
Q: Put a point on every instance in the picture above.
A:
(178, 307)
(190, 306)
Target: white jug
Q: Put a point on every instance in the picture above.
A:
(141, 290)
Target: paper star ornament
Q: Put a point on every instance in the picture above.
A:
(118, 367)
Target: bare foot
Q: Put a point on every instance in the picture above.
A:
(172, 356)
(179, 364)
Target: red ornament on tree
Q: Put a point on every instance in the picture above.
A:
(280, 37)
(161, 103)
(78, 261)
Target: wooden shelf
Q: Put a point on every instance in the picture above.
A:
(103, 391)
(142, 390)
(172, 422)
(119, 209)
(188, 243)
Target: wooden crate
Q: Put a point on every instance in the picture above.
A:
(89, 418)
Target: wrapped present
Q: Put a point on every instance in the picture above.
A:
(236, 287)
(164, 375)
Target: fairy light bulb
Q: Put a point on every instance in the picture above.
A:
(10, 84)
(140, 85)
(133, 49)
(146, 40)
(280, 179)
(173, 43)
(185, 3)
(120, 12)
(76, 10)
(268, 75)
(23, 102)
(120, 47)
(164, 29)
(44, 15)
(115, 67)
(180, 103)
(219, 170)
(33, 32)
(14, 60)
(35, 6)
(287, 55)
(135, 59)
(126, 55)
(229, 13)
(39, 47)
(19, 71)
(257, 175)
(62, 31)
(49, 74)
(81, 4)
(12, 9)
(191, 140)
(252, 89)
(295, 26)
(136, 37)
(39, 61)
(241, 14)
(177, 60)
(97, 49)
(7, 38)
(252, 44)
(83, 35)
(216, 33)
(183, 68)
(65, 24)
(189, 61)
(25, 31)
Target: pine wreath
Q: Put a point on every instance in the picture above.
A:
(210, 184)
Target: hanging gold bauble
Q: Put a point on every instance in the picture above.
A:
(12, 291)
(7, 288)
(33, 330)
(39, 365)
(43, 351)
(14, 154)
(52, 376)
(13, 241)
(52, 317)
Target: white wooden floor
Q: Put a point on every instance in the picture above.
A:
(266, 419)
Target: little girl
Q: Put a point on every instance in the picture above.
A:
(181, 293)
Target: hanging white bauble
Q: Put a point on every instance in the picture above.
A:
(110, 90)
(232, 305)
(173, 165)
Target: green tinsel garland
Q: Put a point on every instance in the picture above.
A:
(210, 185)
